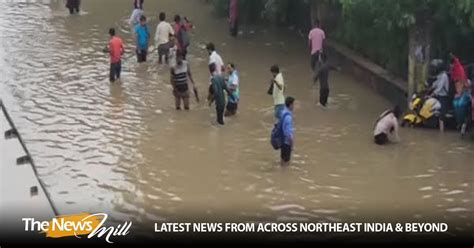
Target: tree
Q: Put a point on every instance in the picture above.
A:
(418, 19)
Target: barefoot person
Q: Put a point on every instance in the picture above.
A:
(180, 78)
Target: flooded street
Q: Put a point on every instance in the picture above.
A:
(122, 148)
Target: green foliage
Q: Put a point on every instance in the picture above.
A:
(378, 29)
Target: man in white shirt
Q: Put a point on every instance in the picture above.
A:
(215, 58)
(278, 91)
(440, 90)
(162, 38)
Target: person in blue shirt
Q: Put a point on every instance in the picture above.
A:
(288, 131)
(233, 86)
(142, 38)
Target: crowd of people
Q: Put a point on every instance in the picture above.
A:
(447, 102)
(172, 42)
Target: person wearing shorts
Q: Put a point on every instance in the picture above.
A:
(180, 77)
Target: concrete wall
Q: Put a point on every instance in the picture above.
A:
(370, 74)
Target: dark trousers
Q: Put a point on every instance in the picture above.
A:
(220, 114)
(286, 153)
(234, 28)
(231, 109)
(115, 70)
(323, 96)
(445, 105)
(315, 60)
(163, 50)
(73, 6)
(141, 55)
(381, 139)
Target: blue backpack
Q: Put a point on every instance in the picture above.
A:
(277, 136)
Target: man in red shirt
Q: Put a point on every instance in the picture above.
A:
(116, 51)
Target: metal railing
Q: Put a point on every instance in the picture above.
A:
(13, 132)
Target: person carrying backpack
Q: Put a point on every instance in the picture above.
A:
(282, 137)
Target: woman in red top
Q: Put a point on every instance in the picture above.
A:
(458, 74)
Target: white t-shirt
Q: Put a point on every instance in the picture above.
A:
(172, 55)
(386, 125)
(163, 32)
(215, 58)
(278, 95)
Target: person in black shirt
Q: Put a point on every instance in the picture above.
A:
(323, 77)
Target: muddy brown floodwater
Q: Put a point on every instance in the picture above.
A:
(123, 149)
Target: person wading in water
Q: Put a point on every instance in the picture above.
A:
(216, 93)
(180, 78)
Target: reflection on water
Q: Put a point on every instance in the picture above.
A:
(122, 148)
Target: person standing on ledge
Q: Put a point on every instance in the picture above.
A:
(316, 39)
(73, 6)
